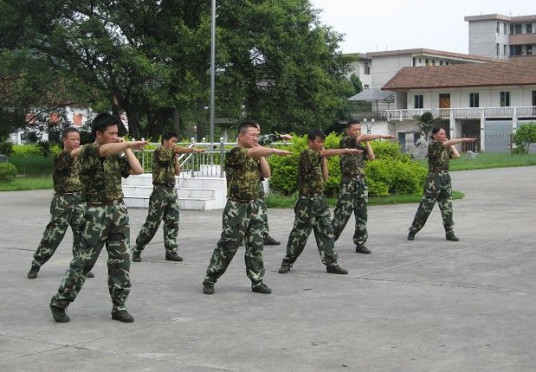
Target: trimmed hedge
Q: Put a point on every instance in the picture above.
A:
(391, 173)
(8, 172)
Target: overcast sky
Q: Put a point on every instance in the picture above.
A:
(378, 25)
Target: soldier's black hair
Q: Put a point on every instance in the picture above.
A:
(103, 121)
(247, 124)
(68, 130)
(434, 131)
(167, 136)
(315, 132)
(352, 122)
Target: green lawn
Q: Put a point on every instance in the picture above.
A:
(35, 172)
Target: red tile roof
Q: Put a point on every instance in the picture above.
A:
(517, 72)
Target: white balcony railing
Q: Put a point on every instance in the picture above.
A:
(465, 113)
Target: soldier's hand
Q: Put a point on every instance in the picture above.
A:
(281, 152)
(354, 151)
(137, 145)
(286, 137)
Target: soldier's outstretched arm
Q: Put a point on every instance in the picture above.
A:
(257, 152)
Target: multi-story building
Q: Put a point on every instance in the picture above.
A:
(488, 101)
(502, 37)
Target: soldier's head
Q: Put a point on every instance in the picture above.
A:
(169, 139)
(353, 128)
(105, 128)
(248, 134)
(438, 134)
(315, 139)
(71, 138)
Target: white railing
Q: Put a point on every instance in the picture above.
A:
(465, 113)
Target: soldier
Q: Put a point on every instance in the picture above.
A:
(244, 166)
(266, 140)
(312, 211)
(353, 192)
(437, 186)
(106, 217)
(67, 206)
(163, 204)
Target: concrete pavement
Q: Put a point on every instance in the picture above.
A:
(425, 305)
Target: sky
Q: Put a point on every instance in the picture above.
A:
(379, 25)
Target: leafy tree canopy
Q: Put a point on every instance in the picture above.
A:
(151, 59)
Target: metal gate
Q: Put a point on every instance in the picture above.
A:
(498, 136)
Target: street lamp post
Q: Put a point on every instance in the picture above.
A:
(212, 67)
(369, 125)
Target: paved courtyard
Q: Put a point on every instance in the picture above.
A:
(424, 305)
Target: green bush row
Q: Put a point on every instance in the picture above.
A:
(391, 173)
(8, 172)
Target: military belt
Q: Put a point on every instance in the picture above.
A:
(165, 186)
(311, 196)
(67, 193)
(356, 177)
(106, 203)
(440, 173)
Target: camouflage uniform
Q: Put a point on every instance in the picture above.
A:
(241, 219)
(353, 193)
(106, 222)
(163, 204)
(312, 212)
(437, 187)
(66, 208)
(265, 140)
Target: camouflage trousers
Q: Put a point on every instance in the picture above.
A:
(436, 188)
(353, 197)
(264, 210)
(241, 221)
(163, 205)
(65, 210)
(311, 214)
(103, 225)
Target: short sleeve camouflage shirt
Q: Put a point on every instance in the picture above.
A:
(101, 176)
(352, 165)
(243, 175)
(310, 179)
(66, 177)
(438, 157)
(164, 167)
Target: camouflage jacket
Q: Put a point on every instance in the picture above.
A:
(438, 157)
(310, 179)
(101, 176)
(352, 165)
(66, 177)
(268, 139)
(164, 167)
(242, 174)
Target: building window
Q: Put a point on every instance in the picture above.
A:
(474, 99)
(505, 28)
(505, 99)
(367, 69)
(498, 28)
(515, 50)
(528, 27)
(419, 101)
(515, 28)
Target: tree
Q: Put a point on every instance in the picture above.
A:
(148, 58)
(525, 135)
(426, 122)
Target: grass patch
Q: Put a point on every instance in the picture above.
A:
(33, 165)
(275, 200)
(489, 160)
(28, 183)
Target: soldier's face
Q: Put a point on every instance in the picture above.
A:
(317, 144)
(354, 131)
(250, 138)
(71, 141)
(440, 136)
(110, 135)
(170, 143)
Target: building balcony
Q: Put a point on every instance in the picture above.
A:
(466, 113)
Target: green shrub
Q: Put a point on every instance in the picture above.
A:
(26, 149)
(6, 148)
(391, 173)
(8, 172)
